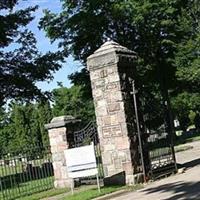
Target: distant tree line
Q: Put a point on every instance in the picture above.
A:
(22, 123)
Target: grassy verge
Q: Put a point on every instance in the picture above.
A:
(27, 188)
(93, 193)
(182, 148)
(182, 140)
(45, 194)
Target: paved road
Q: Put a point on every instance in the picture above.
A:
(184, 186)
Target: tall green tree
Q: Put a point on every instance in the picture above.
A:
(4, 130)
(184, 104)
(21, 64)
(151, 28)
(163, 33)
(71, 101)
(44, 116)
(22, 126)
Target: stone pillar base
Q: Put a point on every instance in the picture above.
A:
(58, 131)
(134, 179)
(123, 179)
(65, 183)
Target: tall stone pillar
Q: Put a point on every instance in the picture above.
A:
(111, 67)
(60, 131)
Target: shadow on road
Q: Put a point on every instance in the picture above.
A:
(192, 163)
(181, 190)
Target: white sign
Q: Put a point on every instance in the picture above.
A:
(81, 161)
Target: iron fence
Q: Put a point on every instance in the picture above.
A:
(25, 172)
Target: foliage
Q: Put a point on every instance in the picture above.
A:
(20, 61)
(82, 27)
(71, 101)
(184, 104)
(22, 126)
(45, 194)
(165, 35)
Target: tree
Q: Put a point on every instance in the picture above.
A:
(44, 116)
(71, 101)
(21, 64)
(188, 54)
(4, 131)
(22, 126)
(185, 105)
(148, 27)
(159, 31)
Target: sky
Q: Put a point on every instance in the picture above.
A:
(44, 44)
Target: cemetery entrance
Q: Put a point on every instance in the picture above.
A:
(86, 136)
(159, 133)
(128, 144)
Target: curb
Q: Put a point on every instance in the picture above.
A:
(111, 195)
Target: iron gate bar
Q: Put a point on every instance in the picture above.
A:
(161, 152)
(85, 136)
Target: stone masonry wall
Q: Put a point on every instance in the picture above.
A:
(58, 144)
(59, 131)
(111, 120)
(110, 68)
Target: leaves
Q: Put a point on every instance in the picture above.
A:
(71, 101)
(21, 63)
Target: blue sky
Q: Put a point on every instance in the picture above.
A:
(44, 44)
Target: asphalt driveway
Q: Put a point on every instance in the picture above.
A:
(184, 186)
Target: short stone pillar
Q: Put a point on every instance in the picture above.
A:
(59, 131)
(111, 67)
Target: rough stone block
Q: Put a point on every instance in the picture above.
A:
(103, 73)
(106, 132)
(98, 93)
(116, 130)
(63, 183)
(118, 164)
(122, 143)
(111, 169)
(57, 157)
(113, 78)
(109, 147)
(102, 111)
(100, 104)
(113, 107)
(114, 86)
(106, 157)
(99, 84)
(128, 168)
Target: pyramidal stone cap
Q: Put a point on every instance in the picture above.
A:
(61, 121)
(108, 53)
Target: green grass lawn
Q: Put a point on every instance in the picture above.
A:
(27, 188)
(187, 140)
(45, 194)
(80, 193)
(93, 193)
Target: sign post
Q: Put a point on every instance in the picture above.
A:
(81, 162)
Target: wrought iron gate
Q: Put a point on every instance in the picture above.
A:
(160, 141)
(87, 135)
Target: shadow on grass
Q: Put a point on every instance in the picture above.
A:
(180, 190)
